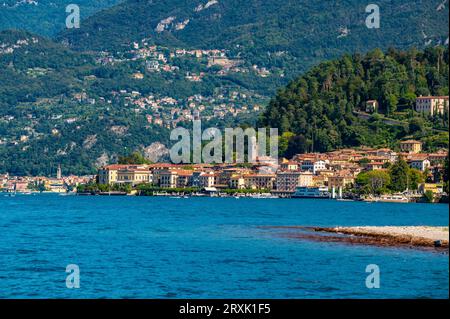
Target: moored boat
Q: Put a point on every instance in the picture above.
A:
(311, 192)
(393, 198)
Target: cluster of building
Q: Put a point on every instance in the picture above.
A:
(161, 59)
(9, 48)
(28, 184)
(333, 170)
(337, 169)
(167, 111)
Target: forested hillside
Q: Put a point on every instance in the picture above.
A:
(44, 17)
(34, 66)
(51, 112)
(318, 111)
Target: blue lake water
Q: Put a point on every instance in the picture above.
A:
(148, 247)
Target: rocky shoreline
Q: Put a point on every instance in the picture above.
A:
(420, 236)
(388, 236)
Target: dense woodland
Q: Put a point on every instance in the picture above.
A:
(45, 17)
(316, 112)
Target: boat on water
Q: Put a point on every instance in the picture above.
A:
(263, 196)
(10, 195)
(161, 194)
(311, 192)
(394, 198)
(112, 193)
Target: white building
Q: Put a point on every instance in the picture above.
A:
(432, 104)
(314, 166)
(371, 106)
(420, 164)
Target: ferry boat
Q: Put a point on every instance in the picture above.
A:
(311, 192)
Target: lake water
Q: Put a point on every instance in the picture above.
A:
(148, 247)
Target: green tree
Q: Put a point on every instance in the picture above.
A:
(364, 161)
(399, 175)
(103, 187)
(428, 196)
(392, 103)
(297, 145)
(409, 99)
(374, 182)
(134, 158)
(415, 178)
(387, 165)
(283, 142)
(416, 125)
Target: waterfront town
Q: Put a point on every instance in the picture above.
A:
(337, 174)
(334, 173)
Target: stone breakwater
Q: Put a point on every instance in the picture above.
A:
(421, 236)
(402, 236)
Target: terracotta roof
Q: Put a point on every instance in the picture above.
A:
(116, 166)
(418, 157)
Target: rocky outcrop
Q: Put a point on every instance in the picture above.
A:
(157, 152)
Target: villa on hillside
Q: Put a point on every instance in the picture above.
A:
(411, 146)
(432, 105)
(372, 106)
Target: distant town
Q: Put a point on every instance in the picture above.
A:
(169, 111)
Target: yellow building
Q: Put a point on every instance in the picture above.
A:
(411, 146)
(434, 188)
(289, 166)
(168, 178)
(340, 181)
(237, 182)
(134, 176)
(259, 181)
(108, 174)
(128, 174)
(138, 76)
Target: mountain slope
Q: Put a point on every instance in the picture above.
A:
(44, 17)
(67, 102)
(294, 33)
(23, 54)
(49, 117)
